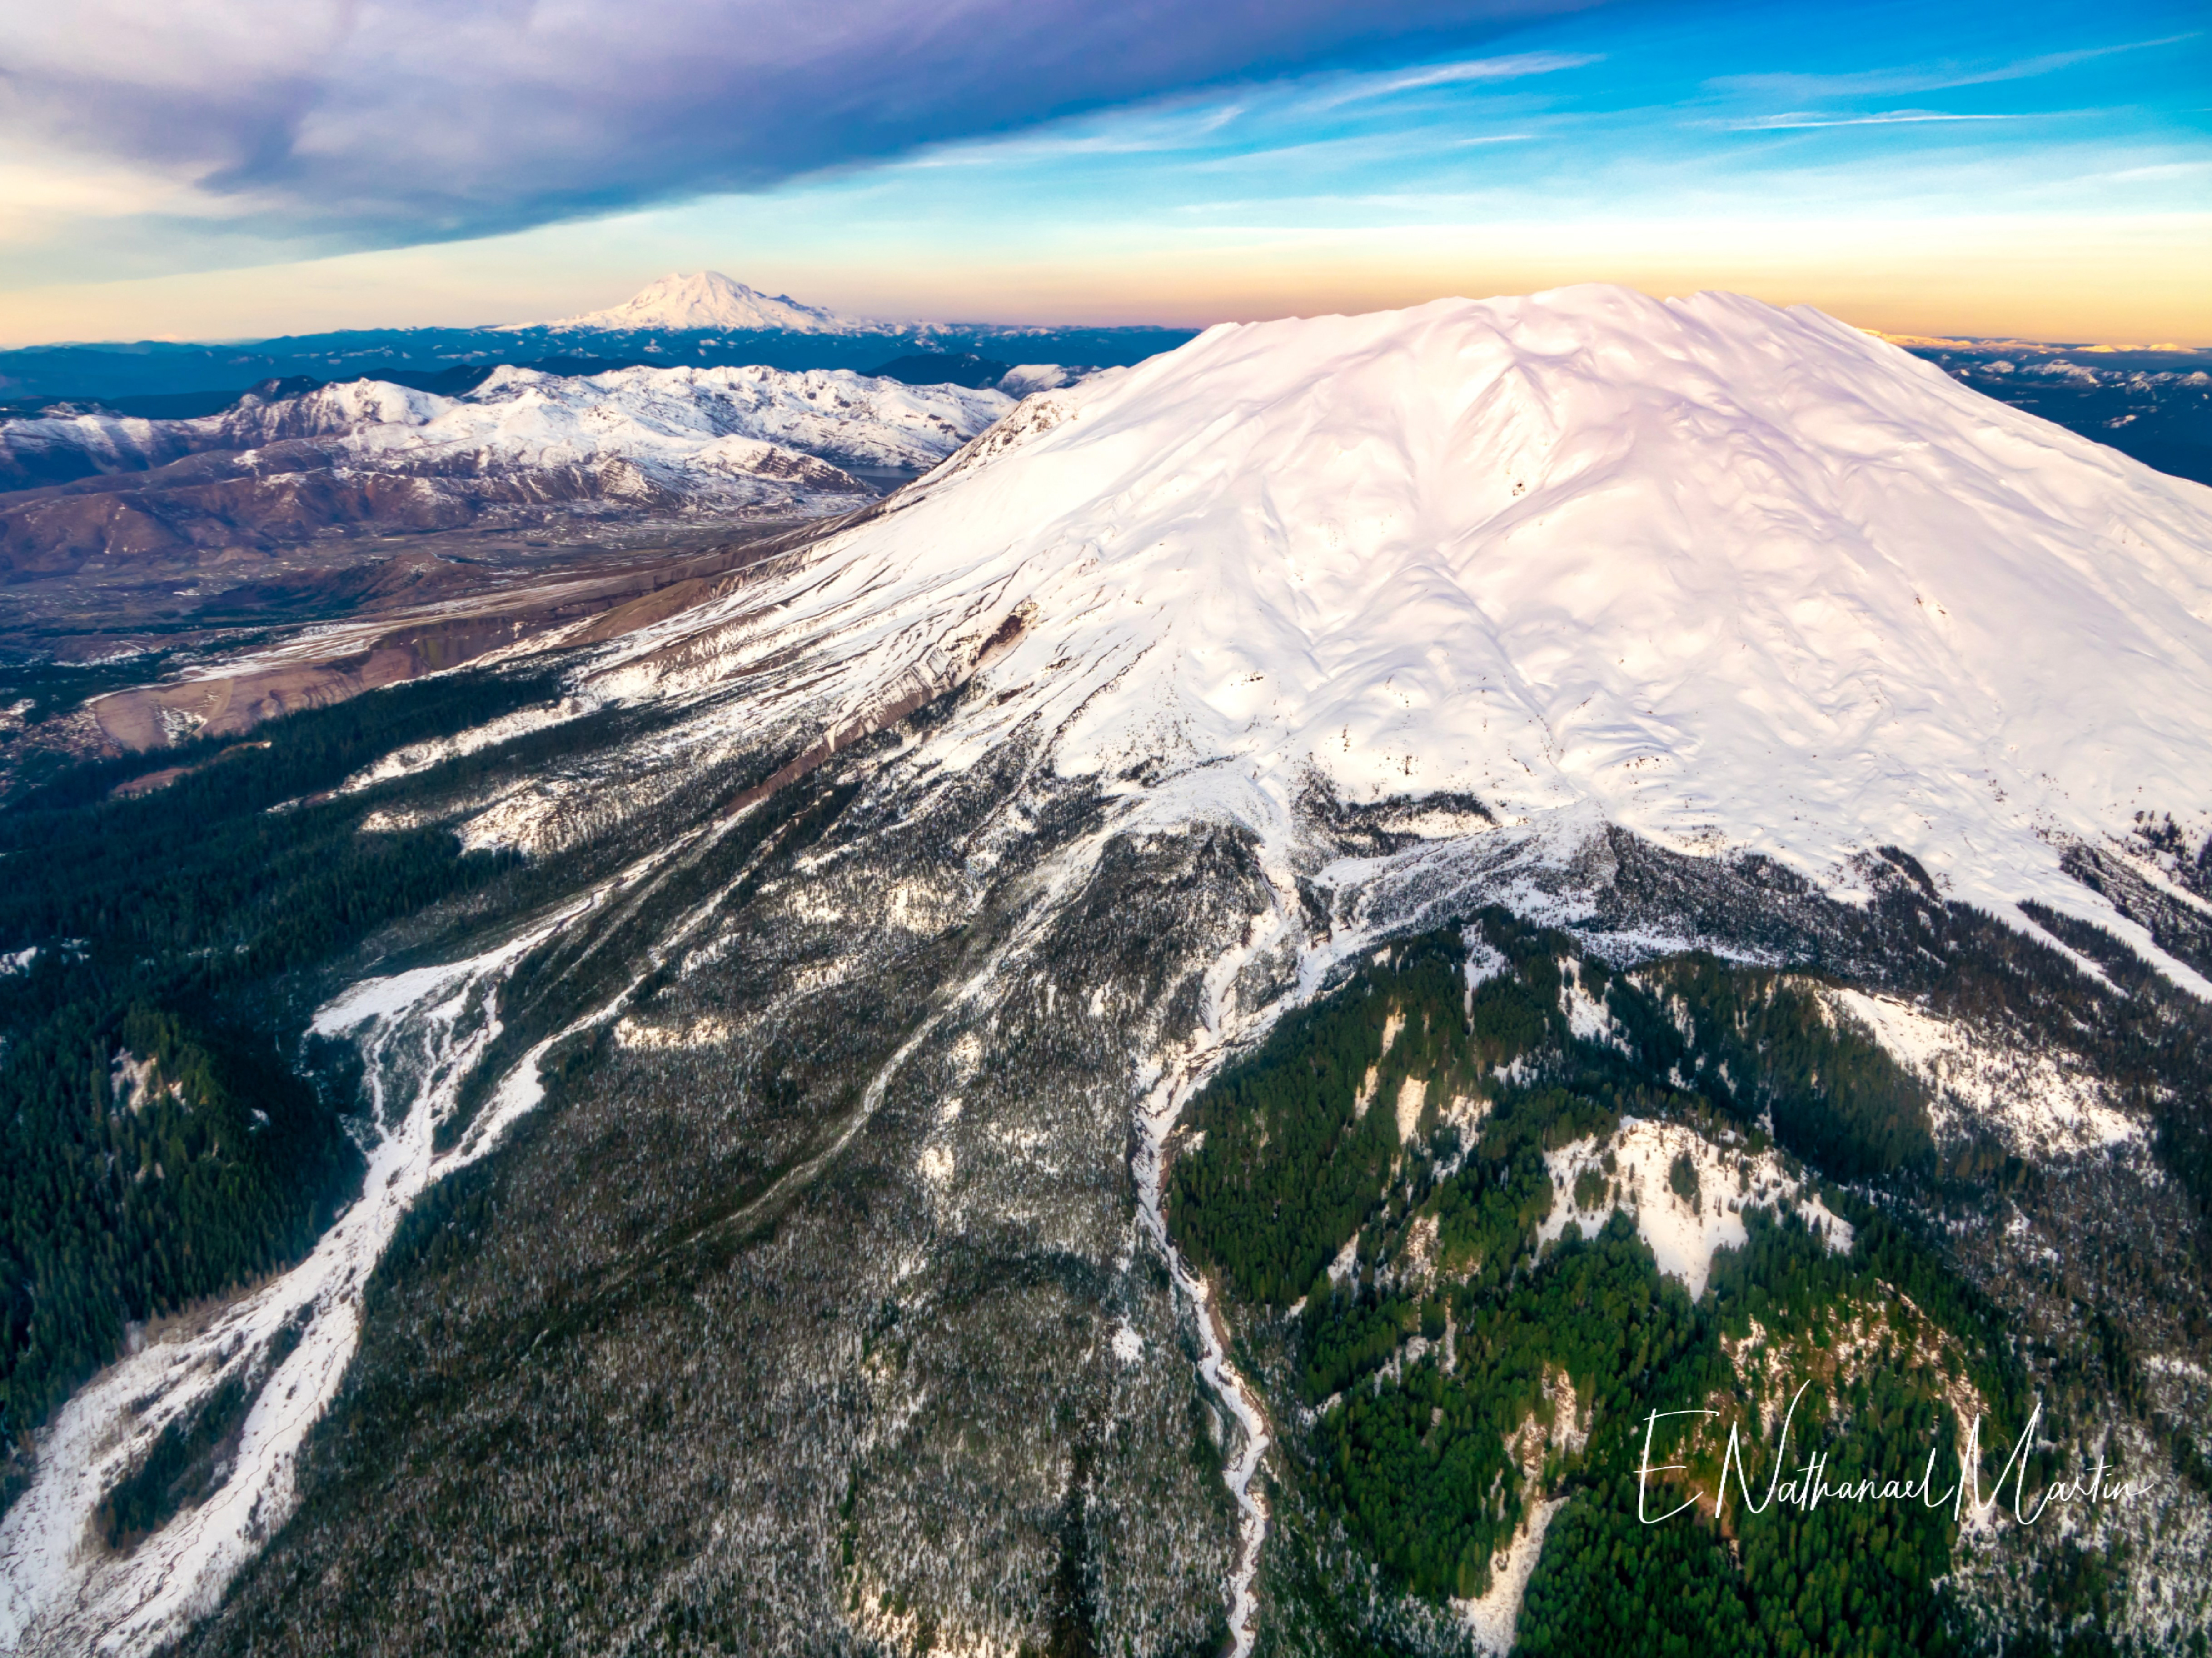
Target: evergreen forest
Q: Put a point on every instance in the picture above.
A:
(1443, 1365)
(167, 1131)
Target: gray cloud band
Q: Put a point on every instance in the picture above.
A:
(415, 121)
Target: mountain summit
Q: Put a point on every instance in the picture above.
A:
(1735, 578)
(707, 299)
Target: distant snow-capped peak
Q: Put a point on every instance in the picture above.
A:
(707, 299)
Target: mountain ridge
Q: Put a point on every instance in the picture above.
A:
(748, 441)
(704, 318)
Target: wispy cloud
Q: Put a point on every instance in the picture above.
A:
(1924, 77)
(1153, 137)
(1797, 119)
(2160, 170)
(1513, 67)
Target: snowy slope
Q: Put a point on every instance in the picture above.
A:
(59, 447)
(1739, 579)
(707, 299)
(679, 414)
(328, 411)
(696, 432)
(133, 1602)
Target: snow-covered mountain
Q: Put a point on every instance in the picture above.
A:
(662, 418)
(685, 427)
(893, 898)
(694, 301)
(1739, 580)
(746, 440)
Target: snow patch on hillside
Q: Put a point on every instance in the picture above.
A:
(1588, 1017)
(1492, 1620)
(2036, 1102)
(1683, 1232)
(421, 756)
(59, 1590)
(707, 1031)
(1412, 1095)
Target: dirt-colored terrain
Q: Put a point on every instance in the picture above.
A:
(457, 624)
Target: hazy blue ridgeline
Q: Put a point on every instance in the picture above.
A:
(150, 369)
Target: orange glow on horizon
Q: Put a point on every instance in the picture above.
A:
(2105, 281)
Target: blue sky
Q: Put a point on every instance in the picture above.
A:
(2020, 168)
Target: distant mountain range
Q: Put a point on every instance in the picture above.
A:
(705, 320)
(2153, 403)
(291, 463)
